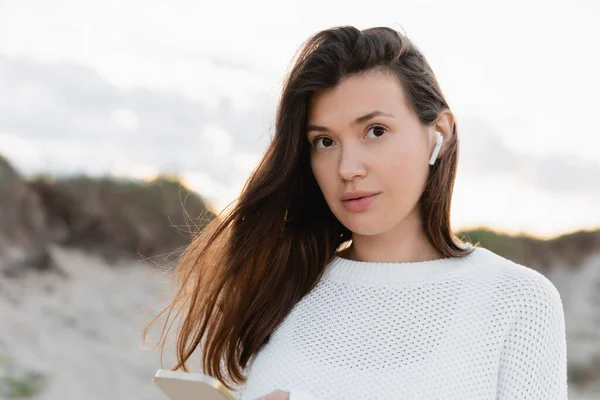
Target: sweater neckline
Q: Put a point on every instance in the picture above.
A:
(397, 272)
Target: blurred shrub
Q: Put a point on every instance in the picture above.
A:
(570, 249)
(16, 383)
(122, 217)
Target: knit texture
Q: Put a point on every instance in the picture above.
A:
(480, 327)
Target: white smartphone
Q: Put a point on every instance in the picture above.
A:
(179, 385)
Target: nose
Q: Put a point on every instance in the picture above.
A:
(351, 163)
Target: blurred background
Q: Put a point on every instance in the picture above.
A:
(114, 113)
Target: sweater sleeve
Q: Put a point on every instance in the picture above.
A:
(533, 362)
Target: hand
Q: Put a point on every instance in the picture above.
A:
(276, 395)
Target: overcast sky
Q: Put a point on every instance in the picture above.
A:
(135, 88)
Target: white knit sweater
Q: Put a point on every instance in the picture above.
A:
(481, 327)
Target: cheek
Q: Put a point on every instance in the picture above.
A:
(323, 178)
(405, 169)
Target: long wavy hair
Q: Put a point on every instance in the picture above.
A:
(242, 274)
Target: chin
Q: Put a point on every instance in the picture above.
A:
(366, 225)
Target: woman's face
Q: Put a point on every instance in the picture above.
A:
(364, 137)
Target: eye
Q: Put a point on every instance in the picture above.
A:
(377, 130)
(325, 142)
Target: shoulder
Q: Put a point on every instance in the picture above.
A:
(519, 284)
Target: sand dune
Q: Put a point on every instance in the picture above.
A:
(83, 332)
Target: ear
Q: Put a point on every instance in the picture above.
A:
(444, 125)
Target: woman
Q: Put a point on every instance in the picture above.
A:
(337, 275)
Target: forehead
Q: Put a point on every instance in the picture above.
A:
(357, 95)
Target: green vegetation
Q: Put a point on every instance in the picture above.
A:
(16, 384)
(497, 242)
(570, 249)
(583, 375)
(121, 217)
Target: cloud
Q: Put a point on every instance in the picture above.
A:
(483, 152)
(567, 174)
(66, 118)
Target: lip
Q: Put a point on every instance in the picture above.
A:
(357, 194)
(359, 204)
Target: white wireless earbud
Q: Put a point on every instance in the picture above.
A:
(436, 150)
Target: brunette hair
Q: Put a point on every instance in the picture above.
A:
(243, 274)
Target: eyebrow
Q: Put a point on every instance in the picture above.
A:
(357, 121)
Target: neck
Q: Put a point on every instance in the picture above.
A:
(406, 242)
